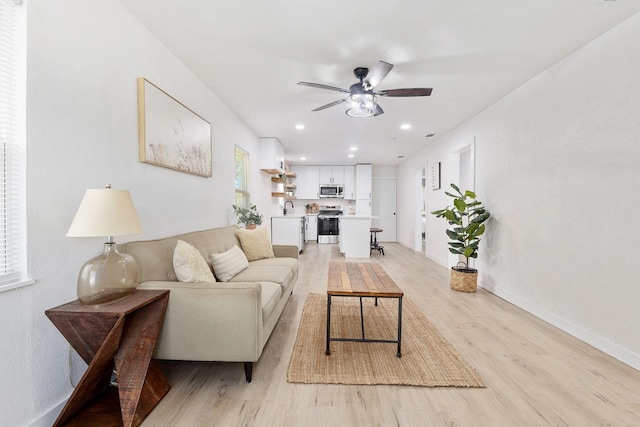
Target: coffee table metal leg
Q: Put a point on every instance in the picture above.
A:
(399, 327)
(328, 351)
(361, 318)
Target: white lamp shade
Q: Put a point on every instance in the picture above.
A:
(105, 212)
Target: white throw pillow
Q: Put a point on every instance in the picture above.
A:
(255, 243)
(228, 263)
(189, 264)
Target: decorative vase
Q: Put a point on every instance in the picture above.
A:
(107, 277)
(464, 279)
(250, 226)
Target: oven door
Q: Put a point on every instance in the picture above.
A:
(328, 229)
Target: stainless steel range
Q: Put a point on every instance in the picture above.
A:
(329, 224)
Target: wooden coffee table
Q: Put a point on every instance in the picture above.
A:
(356, 279)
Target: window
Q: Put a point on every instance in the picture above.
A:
(242, 177)
(12, 144)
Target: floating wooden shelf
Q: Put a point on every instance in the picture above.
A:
(290, 174)
(291, 186)
(277, 194)
(277, 179)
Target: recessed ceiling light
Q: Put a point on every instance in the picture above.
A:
(405, 126)
(353, 148)
(300, 126)
(303, 158)
(351, 155)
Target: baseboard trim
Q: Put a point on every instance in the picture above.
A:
(622, 354)
(48, 418)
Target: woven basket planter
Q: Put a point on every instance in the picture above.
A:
(464, 279)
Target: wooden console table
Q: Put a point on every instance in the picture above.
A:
(120, 334)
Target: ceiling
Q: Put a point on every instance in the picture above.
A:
(252, 54)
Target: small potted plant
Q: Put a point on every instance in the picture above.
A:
(467, 216)
(250, 217)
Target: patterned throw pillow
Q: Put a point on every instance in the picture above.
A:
(189, 264)
(229, 263)
(255, 243)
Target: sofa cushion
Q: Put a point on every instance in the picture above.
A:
(292, 263)
(229, 263)
(271, 293)
(257, 273)
(255, 243)
(189, 264)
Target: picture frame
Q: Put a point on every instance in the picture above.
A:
(435, 176)
(170, 134)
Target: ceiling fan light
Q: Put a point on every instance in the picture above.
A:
(361, 105)
(359, 112)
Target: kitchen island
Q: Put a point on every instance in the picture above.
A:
(355, 235)
(288, 230)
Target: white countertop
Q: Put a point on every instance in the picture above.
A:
(358, 217)
(298, 216)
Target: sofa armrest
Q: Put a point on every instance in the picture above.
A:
(285, 251)
(214, 321)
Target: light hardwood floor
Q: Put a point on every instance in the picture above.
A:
(536, 375)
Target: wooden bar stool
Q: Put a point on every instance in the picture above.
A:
(373, 240)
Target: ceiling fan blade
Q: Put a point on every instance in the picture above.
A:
(377, 73)
(415, 91)
(321, 86)
(339, 101)
(379, 110)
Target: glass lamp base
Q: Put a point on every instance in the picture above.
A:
(107, 277)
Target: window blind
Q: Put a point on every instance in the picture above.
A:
(12, 141)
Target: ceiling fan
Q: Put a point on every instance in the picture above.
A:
(363, 99)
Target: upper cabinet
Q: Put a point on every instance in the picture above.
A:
(349, 182)
(308, 181)
(271, 156)
(363, 181)
(332, 175)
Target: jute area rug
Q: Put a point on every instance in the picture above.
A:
(428, 360)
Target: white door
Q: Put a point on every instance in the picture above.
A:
(383, 206)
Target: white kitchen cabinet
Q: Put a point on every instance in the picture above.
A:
(307, 181)
(332, 175)
(312, 182)
(363, 181)
(300, 180)
(271, 156)
(349, 182)
(288, 230)
(311, 228)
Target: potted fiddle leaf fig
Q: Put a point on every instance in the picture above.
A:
(467, 216)
(250, 216)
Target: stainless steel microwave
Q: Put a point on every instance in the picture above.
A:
(335, 191)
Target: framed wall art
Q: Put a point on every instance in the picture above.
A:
(435, 176)
(170, 134)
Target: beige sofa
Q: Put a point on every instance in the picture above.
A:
(216, 321)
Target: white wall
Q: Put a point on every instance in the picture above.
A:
(557, 165)
(83, 62)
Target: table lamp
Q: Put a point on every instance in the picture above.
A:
(111, 275)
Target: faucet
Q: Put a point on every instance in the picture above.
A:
(284, 209)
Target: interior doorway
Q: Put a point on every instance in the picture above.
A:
(383, 206)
